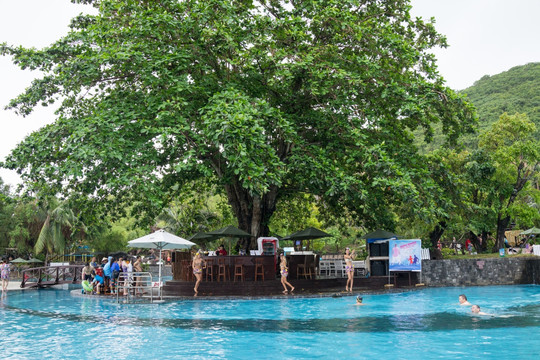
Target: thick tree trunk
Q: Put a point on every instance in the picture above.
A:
(434, 237)
(502, 224)
(253, 212)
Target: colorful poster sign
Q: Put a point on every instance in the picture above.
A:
(405, 255)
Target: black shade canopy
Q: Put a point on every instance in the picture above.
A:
(202, 236)
(228, 231)
(306, 234)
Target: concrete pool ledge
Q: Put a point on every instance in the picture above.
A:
(14, 285)
(300, 295)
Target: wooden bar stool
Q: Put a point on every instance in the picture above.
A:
(259, 268)
(307, 268)
(210, 269)
(223, 273)
(238, 270)
(187, 270)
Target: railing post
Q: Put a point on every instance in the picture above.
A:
(23, 282)
(75, 275)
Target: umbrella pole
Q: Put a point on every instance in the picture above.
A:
(159, 279)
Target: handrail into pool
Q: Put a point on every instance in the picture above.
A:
(132, 283)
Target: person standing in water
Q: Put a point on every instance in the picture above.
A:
(197, 265)
(349, 269)
(284, 271)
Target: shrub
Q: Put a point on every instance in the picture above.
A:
(447, 252)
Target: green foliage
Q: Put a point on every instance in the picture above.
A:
(112, 240)
(7, 205)
(514, 91)
(262, 98)
(59, 222)
(194, 211)
(447, 253)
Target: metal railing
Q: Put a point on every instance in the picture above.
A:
(51, 275)
(131, 287)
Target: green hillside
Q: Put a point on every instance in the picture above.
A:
(515, 90)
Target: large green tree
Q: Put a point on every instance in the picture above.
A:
(263, 98)
(515, 151)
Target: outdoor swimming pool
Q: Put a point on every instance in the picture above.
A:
(420, 324)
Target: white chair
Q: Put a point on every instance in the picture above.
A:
(425, 254)
(536, 250)
(332, 267)
(340, 268)
(359, 267)
(324, 267)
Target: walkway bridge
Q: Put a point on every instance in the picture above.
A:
(51, 275)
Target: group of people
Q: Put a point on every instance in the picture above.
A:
(108, 275)
(475, 309)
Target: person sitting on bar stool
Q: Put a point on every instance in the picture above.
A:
(221, 251)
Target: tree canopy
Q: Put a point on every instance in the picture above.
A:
(263, 98)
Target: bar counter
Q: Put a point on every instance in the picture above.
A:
(212, 264)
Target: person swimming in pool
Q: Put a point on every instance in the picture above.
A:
(359, 301)
(475, 309)
(284, 271)
(463, 300)
(197, 265)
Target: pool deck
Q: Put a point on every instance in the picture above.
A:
(14, 284)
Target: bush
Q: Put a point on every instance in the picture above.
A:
(447, 253)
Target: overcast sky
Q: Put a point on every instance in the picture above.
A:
(486, 37)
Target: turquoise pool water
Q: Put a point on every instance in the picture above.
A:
(420, 324)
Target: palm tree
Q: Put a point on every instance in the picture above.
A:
(59, 222)
(188, 219)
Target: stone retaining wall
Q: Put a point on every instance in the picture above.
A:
(467, 272)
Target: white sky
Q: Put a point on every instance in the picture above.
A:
(485, 37)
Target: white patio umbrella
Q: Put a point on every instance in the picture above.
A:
(161, 240)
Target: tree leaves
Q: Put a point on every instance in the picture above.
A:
(315, 97)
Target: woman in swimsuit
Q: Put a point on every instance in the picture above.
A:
(284, 272)
(197, 265)
(349, 269)
(4, 269)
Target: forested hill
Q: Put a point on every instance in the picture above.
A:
(515, 90)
